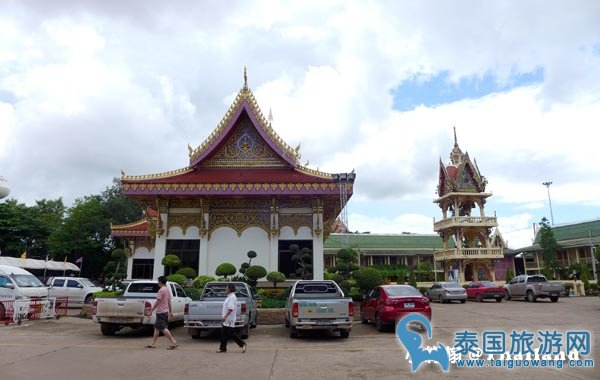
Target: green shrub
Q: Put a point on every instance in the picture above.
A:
(171, 261)
(194, 293)
(367, 278)
(275, 277)
(178, 278)
(268, 303)
(423, 289)
(108, 294)
(225, 270)
(200, 281)
(509, 275)
(187, 272)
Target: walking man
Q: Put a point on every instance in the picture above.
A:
(163, 314)
(228, 316)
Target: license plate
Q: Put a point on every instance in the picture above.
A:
(322, 322)
(409, 305)
(119, 320)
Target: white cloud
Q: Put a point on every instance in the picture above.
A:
(93, 87)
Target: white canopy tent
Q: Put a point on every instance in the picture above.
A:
(38, 264)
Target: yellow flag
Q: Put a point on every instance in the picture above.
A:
(24, 255)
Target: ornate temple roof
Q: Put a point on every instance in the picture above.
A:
(243, 155)
(138, 228)
(461, 175)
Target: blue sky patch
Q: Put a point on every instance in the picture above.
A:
(439, 90)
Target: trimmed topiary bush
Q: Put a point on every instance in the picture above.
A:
(200, 281)
(225, 270)
(253, 273)
(509, 275)
(275, 277)
(178, 278)
(367, 278)
(187, 272)
(171, 261)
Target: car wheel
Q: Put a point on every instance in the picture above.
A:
(344, 334)
(530, 296)
(498, 299)
(479, 298)
(108, 329)
(245, 332)
(463, 301)
(293, 332)
(440, 299)
(195, 333)
(554, 299)
(88, 299)
(379, 323)
(507, 296)
(287, 322)
(3, 313)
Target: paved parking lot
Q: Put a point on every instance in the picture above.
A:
(73, 348)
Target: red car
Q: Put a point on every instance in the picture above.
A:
(481, 290)
(386, 304)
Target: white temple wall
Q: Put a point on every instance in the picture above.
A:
(225, 246)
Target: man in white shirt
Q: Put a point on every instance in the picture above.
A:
(228, 316)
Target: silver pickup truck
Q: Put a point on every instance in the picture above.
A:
(532, 287)
(132, 309)
(318, 305)
(205, 315)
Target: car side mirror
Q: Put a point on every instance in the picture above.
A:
(10, 286)
(80, 286)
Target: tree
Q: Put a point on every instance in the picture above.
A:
(275, 278)
(177, 278)
(302, 258)
(187, 272)
(119, 208)
(116, 269)
(368, 278)
(509, 275)
(200, 281)
(244, 266)
(253, 273)
(549, 247)
(346, 263)
(171, 261)
(225, 270)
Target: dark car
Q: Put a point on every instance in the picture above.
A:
(481, 290)
(386, 304)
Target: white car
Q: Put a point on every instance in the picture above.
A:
(77, 290)
(18, 283)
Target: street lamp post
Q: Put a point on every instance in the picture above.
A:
(547, 184)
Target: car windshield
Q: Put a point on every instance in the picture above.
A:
(488, 284)
(536, 279)
(452, 285)
(143, 287)
(402, 291)
(27, 281)
(316, 290)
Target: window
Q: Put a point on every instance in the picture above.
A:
(142, 268)
(180, 292)
(188, 252)
(72, 284)
(4, 281)
(143, 287)
(59, 282)
(402, 291)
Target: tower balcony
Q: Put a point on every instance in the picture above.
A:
(468, 253)
(465, 221)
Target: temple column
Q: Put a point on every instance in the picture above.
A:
(203, 254)
(130, 260)
(318, 265)
(160, 246)
(274, 239)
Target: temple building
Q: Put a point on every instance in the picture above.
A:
(470, 248)
(243, 190)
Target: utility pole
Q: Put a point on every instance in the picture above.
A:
(593, 256)
(547, 184)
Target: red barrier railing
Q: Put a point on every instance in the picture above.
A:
(19, 310)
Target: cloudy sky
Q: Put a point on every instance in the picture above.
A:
(88, 88)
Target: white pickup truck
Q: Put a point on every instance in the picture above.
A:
(132, 309)
(318, 305)
(205, 315)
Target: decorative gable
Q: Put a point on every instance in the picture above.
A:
(244, 147)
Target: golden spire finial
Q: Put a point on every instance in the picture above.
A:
(122, 173)
(455, 140)
(245, 78)
(190, 150)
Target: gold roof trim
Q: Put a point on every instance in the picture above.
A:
(245, 94)
(128, 225)
(171, 173)
(317, 173)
